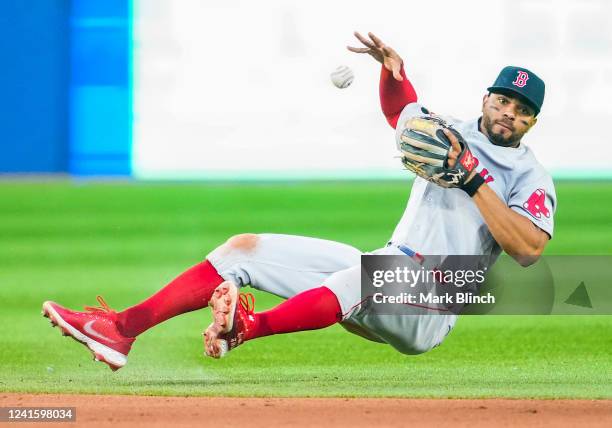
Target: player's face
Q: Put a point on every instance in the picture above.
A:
(505, 119)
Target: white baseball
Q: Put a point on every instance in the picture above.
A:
(342, 77)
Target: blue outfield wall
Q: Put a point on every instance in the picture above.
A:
(65, 78)
(100, 87)
(34, 85)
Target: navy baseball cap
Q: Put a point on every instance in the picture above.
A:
(522, 82)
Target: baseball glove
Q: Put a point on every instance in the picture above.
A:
(425, 151)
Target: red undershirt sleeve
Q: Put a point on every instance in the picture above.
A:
(394, 95)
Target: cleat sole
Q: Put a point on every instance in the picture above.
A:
(223, 304)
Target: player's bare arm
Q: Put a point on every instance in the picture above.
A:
(516, 234)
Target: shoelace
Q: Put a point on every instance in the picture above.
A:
(104, 308)
(247, 301)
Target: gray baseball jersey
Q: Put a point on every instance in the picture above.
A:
(447, 222)
(437, 221)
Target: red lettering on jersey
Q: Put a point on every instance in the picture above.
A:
(536, 204)
(485, 174)
(521, 79)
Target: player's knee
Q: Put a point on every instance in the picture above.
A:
(234, 248)
(242, 242)
(228, 257)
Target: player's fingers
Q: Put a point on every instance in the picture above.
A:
(365, 41)
(379, 43)
(454, 142)
(453, 154)
(358, 50)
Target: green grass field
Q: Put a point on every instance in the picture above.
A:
(70, 241)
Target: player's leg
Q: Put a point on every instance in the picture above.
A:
(415, 330)
(280, 264)
(284, 265)
(288, 263)
(311, 309)
(234, 321)
(320, 308)
(109, 335)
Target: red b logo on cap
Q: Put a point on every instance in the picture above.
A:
(521, 79)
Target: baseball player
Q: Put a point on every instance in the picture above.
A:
(484, 194)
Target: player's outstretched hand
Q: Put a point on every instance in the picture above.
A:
(380, 52)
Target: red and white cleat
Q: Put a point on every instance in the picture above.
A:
(96, 328)
(233, 320)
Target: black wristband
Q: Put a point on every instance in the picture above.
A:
(473, 185)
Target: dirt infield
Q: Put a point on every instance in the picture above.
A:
(122, 411)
